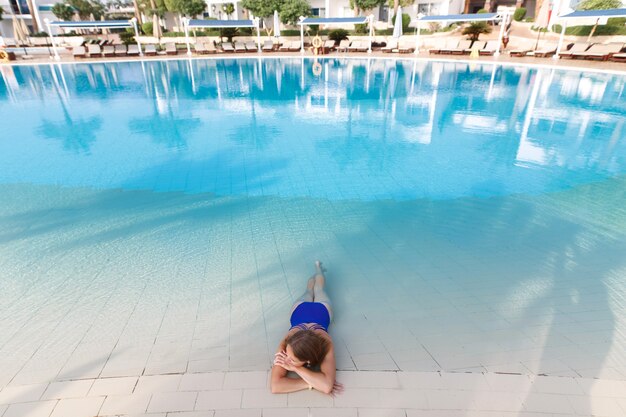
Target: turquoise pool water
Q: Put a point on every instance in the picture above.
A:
(160, 216)
(365, 130)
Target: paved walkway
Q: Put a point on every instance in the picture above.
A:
(367, 394)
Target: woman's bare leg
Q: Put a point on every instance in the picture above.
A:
(320, 295)
(308, 295)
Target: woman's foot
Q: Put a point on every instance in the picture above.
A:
(319, 276)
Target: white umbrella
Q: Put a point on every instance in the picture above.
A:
(105, 31)
(156, 27)
(76, 18)
(276, 25)
(18, 32)
(543, 19)
(397, 28)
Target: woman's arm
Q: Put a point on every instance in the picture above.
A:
(280, 383)
(324, 380)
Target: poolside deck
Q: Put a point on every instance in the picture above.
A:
(367, 394)
(504, 58)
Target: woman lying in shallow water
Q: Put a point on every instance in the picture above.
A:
(307, 345)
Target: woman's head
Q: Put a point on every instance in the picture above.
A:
(305, 347)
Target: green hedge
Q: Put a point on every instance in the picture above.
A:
(519, 14)
(147, 28)
(614, 26)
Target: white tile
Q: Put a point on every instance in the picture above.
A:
(147, 415)
(262, 398)
(596, 406)
(548, 403)
(158, 383)
(286, 412)
(172, 401)
(333, 412)
(450, 400)
(239, 413)
(308, 398)
(556, 385)
(78, 407)
(219, 400)
(67, 389)
(381, 412)
(368, 379)
(202, 382)
(22, 393)
(191, 414)
(30, 409)
(125, 404)
(236, 380)
(464, 381)
(113, 386)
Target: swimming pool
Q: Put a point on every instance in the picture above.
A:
(159, 216)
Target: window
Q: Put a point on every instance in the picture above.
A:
(383, 13)
(428, 9)
(318, 12)
(19, 7)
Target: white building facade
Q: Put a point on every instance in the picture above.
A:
(33, 12)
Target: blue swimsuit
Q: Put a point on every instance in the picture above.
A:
(310, 312)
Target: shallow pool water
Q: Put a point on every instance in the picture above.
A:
(160, 216)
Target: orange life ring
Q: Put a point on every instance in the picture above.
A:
(317, 42)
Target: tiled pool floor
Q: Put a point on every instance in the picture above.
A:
(102, 284)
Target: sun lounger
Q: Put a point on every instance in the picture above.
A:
(358, 46)
(461, 48)
(79, 52)
(150, 50)
(295, 46)
(200, 48)
(210, 48)
(393, 44)
(268, 46)
(108, 51)
(9, 42)
(343, 46)
(133, 50)
(251, 46)
(120, 50)
(405, 48)
(328, 46)
(170, 48)
(618, 57)
(94, 50)
(443, 45)
(227, 47)
(520, 52)
(545, 51)
(599, 51)
(240, 47)
(489, 48)
(102, 42)
(575, 48)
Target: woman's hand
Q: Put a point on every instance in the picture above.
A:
(337, 389)
(281, 359)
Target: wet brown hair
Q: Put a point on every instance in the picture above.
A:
(308, 346)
